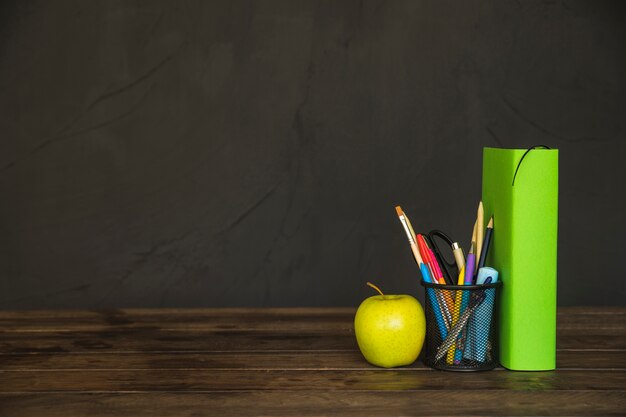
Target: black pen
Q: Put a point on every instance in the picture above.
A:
(485, 249)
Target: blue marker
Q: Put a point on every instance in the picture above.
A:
(477, 340)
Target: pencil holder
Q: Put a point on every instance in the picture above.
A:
(460, 327)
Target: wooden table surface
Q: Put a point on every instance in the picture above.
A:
(303, 362)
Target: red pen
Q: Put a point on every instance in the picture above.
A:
(435, 270)
(437, 267)
(432, 261)
(423, 251)
(426, 255)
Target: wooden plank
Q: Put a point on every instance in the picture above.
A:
(304, 360)
(177, 314)
(225, 380)
(570, 359)
(324, 360)
(281, 319)
(155, 340)
(594, 310)
(320, 403)
(138, 340)
(613, 319)
(590, 342)
(323, 320)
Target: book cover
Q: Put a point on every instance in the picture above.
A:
(524, 251)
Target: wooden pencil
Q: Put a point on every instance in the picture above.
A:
(474, 231)
(480, 231)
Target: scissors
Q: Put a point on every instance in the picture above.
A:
(449, 270)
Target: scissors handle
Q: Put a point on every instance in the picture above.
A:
(449, 269)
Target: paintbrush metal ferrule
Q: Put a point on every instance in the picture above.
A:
(406, 229)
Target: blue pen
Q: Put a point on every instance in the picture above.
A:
(436, 306)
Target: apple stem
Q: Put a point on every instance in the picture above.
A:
(376, 288)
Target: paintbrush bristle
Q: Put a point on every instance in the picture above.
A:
(399, 211)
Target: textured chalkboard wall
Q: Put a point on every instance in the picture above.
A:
(196, 153)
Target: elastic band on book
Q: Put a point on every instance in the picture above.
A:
(522, 158)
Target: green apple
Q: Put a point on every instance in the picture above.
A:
(390, 329)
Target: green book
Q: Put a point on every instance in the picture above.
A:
(524, 251)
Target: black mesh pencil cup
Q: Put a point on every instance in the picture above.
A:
(461, 327)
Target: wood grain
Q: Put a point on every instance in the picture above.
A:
(154, 340)
(269, 360)
(280, 362)
(316, 403)
(315, 380)
(326, 321)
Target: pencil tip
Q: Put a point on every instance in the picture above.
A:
(490, 222)
(399, 210)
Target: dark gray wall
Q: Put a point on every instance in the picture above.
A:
(164, 153)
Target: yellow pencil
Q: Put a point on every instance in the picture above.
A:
(459, 297)
(455, 315)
